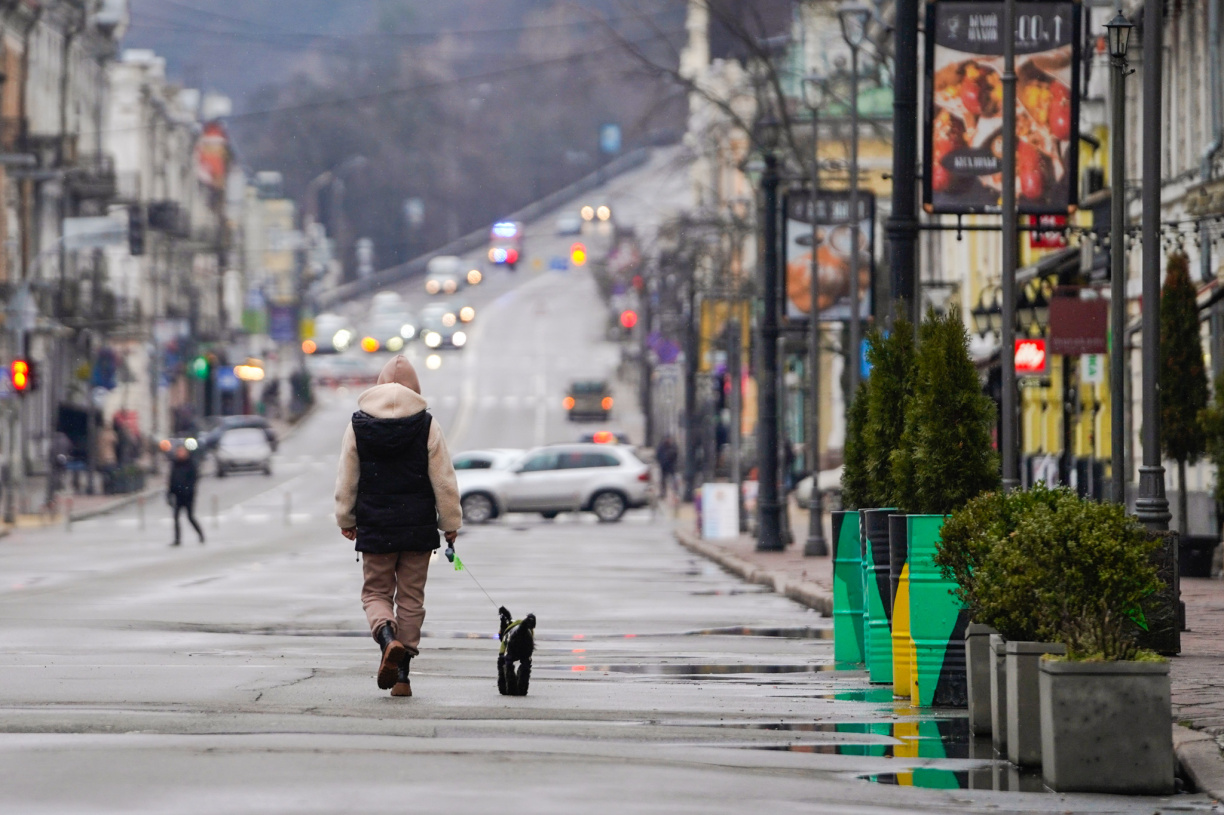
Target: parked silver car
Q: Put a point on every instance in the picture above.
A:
(599, 478)
(243, 448)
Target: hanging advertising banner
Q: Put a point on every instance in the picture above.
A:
(828, 216)
(964, 128)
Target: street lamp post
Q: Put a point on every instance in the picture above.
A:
(854, 18)
(769, 505)
(1152, 505)
(1009, 426)
(1119, 29)
(815, 545)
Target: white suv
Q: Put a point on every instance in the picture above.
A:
(600, 478)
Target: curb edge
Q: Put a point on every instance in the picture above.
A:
(1201, 759)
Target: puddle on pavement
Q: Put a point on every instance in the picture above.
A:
(931, 738)
(794, 632)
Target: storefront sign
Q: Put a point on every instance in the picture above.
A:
(1050, 234)
(965, 107)
(1030, 357)
(1092, 369)
(830, 212)
(1078, 326)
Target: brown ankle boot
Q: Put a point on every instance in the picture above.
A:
(393, 651)
(403, 687)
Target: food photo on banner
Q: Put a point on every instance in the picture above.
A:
(834, 235)
(964, 144)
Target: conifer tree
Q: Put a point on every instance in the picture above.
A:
(1183, 376)
(855, 494)
(946, 457)
(888, 394)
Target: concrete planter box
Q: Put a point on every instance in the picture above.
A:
(980, 662)
(1024, 700)
(1105, 727)
(998, 693)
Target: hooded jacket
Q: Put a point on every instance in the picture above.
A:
(396, 483)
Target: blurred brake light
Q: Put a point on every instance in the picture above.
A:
(568, 403)
(603, 437)
(607, 403)
(644, 475)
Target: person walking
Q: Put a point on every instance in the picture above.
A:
(395, 489)
(181, 493)
(668, 455)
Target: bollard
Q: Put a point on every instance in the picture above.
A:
(288, 507)
(937, 622)
(898, 576)
(140, 512)
(847, 588)
(878, 630)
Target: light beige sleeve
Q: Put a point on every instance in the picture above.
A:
(347, 476)
(445, 485)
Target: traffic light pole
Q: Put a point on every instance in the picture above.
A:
(769, 505)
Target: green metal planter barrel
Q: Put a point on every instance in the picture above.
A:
(865, 576)
(847, 588)
(878, 598)
(898, 576)
(937, 622)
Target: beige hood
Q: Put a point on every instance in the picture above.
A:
(397, 394)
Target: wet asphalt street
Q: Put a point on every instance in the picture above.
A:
(238, 677)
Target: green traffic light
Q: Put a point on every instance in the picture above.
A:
(199, 368)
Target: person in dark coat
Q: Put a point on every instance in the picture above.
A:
(668, 455)
(181, 494)
(395, 489)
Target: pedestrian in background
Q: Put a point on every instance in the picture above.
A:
(668, 454)
(181, 494)
(395, 489)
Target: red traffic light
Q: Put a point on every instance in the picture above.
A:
(628, 318)
(20, 374)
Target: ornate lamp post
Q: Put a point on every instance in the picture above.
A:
(1119, 29)
(814, 97)
(1152, 505)
(769, 505)
(854, 18)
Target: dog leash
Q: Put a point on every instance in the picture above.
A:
(459, 567)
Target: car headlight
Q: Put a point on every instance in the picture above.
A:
(603, 213)
(433, 339)
(341, 339)
(395, 343)
(467, 314)
(191, 445)
(432, 287)
(450, 286)
(407, 331)
(459, 339)
(474, 277)
(448, 319)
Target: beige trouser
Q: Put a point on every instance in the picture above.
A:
(394, 592)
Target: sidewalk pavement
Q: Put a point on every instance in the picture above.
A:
(1197, 674)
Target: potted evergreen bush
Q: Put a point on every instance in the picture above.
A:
(892, 371)
(975, 552)
(945, 459)
(1105, 707)
(848, 644)
(891, 356)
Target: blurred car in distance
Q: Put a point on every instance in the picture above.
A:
(506, 243)
(332, 334)
(569, 224)
(444, 275)
(243, 448)
(441, 327)
(587, 400)
(214, 426)
(494, 459)
(606, 480)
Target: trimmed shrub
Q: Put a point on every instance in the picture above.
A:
(888, 394)
(856, 493)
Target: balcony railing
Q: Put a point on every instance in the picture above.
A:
(93, 176)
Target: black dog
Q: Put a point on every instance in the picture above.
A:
(517, 645)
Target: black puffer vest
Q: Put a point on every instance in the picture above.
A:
(396, 509)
